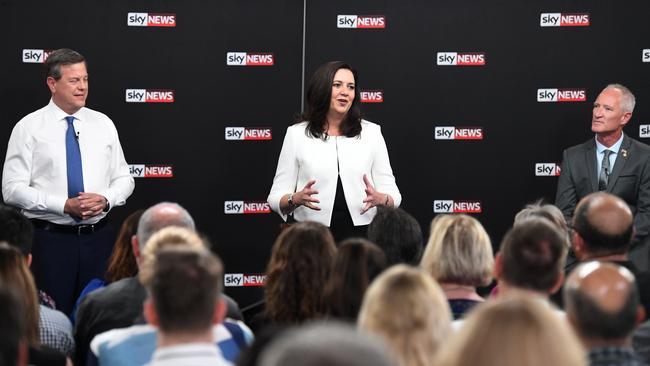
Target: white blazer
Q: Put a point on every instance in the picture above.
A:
(304, 158)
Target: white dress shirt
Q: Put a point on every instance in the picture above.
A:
(304, 158)
(190, 354)
(34, 177)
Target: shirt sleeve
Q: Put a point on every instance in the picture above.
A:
(382, 173)
(16, 176)
(122, 183)
(286, 174)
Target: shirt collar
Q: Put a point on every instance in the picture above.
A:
(614, 148)
(60, 114)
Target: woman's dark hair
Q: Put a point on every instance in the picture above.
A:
(122, 262)
(300, 264)
(357, 262)
(398, 234)
(319, 95)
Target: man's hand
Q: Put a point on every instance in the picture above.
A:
(86, 205)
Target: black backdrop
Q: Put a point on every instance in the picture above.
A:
(399, 60)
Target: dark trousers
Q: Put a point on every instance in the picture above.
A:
(63, 263)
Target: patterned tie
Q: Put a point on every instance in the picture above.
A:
(73, 161)
(603, 178)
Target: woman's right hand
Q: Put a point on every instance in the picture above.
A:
(305, 196)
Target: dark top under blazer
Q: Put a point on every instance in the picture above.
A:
(630, 179)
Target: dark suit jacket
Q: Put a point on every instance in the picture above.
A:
(630, 179)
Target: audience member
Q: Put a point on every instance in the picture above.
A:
(408, 310)
(398, 234)
(54, 327)
(16, 277)
(531, 259)
(135, 345)
(300, 264)
(459, 256)
(326, 344)
(513, 331)
(13, 347)
(602, 305)
(356, 264)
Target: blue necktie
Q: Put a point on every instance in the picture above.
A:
(73, 161)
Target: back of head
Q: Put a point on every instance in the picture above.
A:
(356, 264)
(547, 211)
(398, 234)
(16, 229)
(12, 327)
(168, 237)
(300, 264)
(122, 262)
(459, 251)
(512, 332)
(159, 216)
(605, 223)
(602, 301)
(325, 344)
(533, 254)
(185, 286)
(407, 308)
(16, 277)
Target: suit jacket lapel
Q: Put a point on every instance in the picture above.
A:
(590, 163)
(619, 163)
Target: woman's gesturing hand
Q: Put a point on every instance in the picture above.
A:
(373, 197)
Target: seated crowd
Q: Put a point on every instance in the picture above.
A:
(555, 293)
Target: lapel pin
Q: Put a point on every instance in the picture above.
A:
(624, 152)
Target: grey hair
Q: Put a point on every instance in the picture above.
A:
(162, 215)
(628, 101)
(326, 344)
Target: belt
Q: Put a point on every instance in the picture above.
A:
(69, 229)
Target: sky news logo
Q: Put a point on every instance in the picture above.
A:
(248, 133)
(243, 280)
(458, 133)
(644, 131)
(645, 55)
(451, 206)
(361, 21)
(460, 59)
(249, 59)
(564, 20)
(561, 95)
(372, 96)
(150, 20)
(547, 170)
(151, 171)
(246, 207)
(149, 96)
(32, 56)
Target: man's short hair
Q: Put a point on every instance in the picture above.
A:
(61, 57)
(594, 322)
(12, 327)
(398, 234)
(185, 287)
(153, 219)
(16, 229)
(547, 211)
(533, 255)
(325, 344)
(597, 241)
(628, 101)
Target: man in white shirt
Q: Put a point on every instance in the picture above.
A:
(65, 169)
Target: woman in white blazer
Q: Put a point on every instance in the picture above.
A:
(334, 166)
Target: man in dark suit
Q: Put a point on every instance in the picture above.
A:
(611, 162)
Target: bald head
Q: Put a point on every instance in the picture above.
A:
(605, 223)
(602, 301)
(162, 215)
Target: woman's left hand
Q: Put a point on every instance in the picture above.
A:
(373, 197)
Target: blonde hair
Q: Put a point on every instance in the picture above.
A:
(172, 236)
(407, 308)
(459, 250)
(513, 331)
